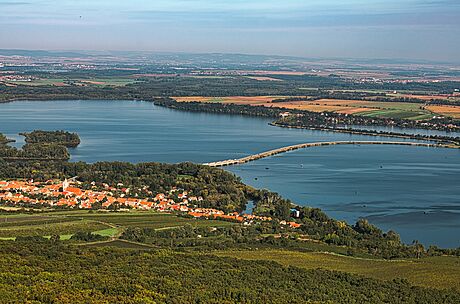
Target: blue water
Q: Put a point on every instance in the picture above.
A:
(412, 190)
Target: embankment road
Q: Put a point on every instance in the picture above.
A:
(250, 158)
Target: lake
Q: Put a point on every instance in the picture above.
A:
(412, 190)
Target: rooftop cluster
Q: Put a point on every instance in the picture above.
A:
(71, 194)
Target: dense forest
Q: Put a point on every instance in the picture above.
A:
(48, 271)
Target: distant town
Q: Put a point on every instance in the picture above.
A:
(69, 194)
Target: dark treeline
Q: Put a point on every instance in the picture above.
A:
(63, 138)
(220, 108)
(444, 102)
(154, 87)
(446, 87)
(48, 271)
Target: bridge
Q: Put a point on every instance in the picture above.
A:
(250, 158)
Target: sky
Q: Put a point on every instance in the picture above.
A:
(406, 29)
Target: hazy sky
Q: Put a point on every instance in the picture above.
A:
(427, 29)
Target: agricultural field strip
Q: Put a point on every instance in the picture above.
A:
(408, 110)
(66, 223)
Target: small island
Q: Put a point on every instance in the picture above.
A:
(40, 145)
(63, 138)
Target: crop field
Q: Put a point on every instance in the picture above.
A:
(425, 97)
(445, 110)
(399, 110)
(397, 114)
(66, 223)
(46, 229)
(404, 110)
(434, 272)
(147, 220)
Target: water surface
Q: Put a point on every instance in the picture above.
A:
(413, 190)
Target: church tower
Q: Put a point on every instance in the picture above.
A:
(65, 185)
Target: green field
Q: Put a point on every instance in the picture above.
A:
(437, 272)
(46, 229)
(65, 223)
(398, 114)
(146, 220)
(397, 110)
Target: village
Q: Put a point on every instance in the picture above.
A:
(70, 195)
